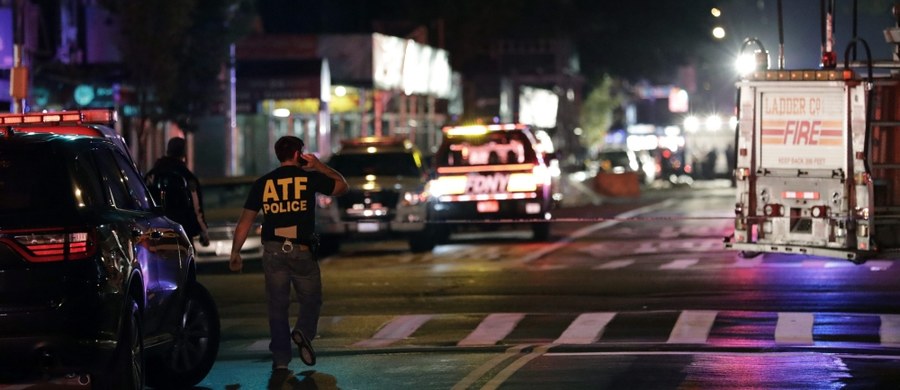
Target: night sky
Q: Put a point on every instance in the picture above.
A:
(635, 39)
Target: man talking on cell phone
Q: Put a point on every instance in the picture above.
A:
(287, 198)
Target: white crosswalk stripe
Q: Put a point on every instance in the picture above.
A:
(679, 264)
(493, 329)
(398, 329)
(615, 264)
(890, 329)
(585, 329)
(691, 327)
(794, 328)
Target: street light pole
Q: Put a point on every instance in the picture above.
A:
(18, 87)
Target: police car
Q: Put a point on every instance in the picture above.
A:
(488, 175)
(98, 286)
(387, 197)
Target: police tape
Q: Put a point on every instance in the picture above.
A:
(542, 220)
(751, 219)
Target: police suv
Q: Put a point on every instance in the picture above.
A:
(99, 288)
(387, 196)
(491, 173)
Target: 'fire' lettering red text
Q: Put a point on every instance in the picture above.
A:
(802, 132)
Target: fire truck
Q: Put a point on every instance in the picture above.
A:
(818, 156)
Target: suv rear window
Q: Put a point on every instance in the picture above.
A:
(33, 185)
(378, 164)
(496, 147)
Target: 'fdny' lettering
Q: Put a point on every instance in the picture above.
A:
(487, 184)
(284, 195)
(802, 132)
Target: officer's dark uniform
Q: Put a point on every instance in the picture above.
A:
(287, 198)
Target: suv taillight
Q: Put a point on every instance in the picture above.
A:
(50, 246)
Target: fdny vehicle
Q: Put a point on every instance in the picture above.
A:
(817, 168)
(490, 175)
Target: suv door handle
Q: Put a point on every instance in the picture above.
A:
(156, 234)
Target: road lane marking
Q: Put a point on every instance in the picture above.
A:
(794, 328)
(668, 232)
(692, 327)
(586, 329)
(492, 329)
(507, 372)
(479, 372)
(398, 329)
(878, 265)
(679, 264)
(583, 232)
(721, 353)
(890, 329)
(615, 264)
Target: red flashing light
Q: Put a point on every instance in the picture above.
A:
(50, 122)
(829, 60)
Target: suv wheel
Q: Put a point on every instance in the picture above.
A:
(127, 368)
(441, 233)
(192, 354)
(540, 231)
(423, 241)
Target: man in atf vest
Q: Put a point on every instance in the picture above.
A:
(178, 190)
(287, 198)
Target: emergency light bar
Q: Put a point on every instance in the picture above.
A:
(103, 116)
(486, 168)
(479, 129)
(378, 141)
(802, 75)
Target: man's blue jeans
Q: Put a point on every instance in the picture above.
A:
(297, 268)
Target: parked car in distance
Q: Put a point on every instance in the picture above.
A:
(223, 202)
(99, 288)
(387, 196)
(619, 161)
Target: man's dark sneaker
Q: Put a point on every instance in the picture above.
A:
(280, 376)
(307, 354)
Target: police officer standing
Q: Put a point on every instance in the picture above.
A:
(183, 201)
(287, 197)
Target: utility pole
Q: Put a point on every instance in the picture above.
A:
(18, 86)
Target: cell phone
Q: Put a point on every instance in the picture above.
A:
(302, 161)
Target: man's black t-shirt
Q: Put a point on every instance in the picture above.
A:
(287, 198)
